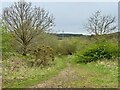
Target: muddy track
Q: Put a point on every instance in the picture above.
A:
(58, 81)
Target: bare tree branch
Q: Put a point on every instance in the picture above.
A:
(26, 22)
(99, 24)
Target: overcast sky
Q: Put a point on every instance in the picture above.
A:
(70, 16)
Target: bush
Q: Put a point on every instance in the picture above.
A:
(102, 49)
(6, 41)
(47, 40)
(6, 44)
(67, 46)
(43, 56)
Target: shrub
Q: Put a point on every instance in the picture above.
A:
(47, 40)
(102, 49)
(67, 46)
(6, 44)
(6, 41)
(43, 56)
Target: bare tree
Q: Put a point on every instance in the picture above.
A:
(100, 24)
(26, 22)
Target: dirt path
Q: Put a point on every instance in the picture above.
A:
(70, 77)
(80, 77)
(65, 76)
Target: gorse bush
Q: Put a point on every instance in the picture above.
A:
(43, 56)
(98, 51)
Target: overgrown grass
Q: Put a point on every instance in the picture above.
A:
(101, 74)
(29, 76)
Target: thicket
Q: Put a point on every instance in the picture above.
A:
(6, 41)
(67, 46)
(40, 54)
(102, 49)
(44, 55)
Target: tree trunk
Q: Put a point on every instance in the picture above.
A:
(24, 54)
(24, 50)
